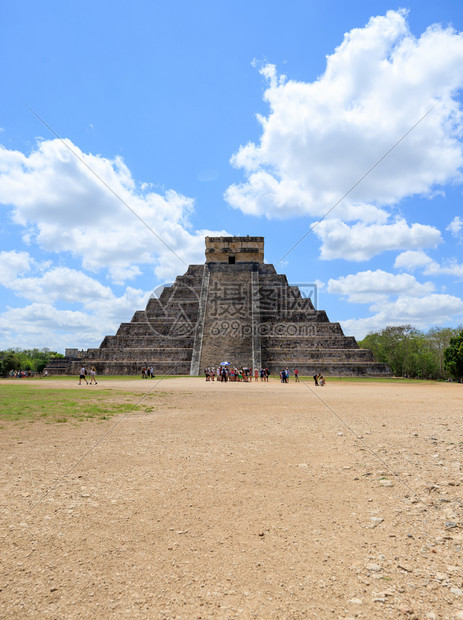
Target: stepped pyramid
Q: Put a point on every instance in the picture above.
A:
(233, 308)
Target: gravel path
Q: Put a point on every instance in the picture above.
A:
(239, 501)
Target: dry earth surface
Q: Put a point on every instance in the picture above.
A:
(238, 501)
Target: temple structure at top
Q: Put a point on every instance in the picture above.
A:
(233, 308)
(232, 250)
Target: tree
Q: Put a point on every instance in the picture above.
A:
(29, 359)
(439, 340)
(408, 351)
(453, 356)
(10, 362)
(394, 346)
(40, 365)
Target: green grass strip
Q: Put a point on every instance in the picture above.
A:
(26, 403)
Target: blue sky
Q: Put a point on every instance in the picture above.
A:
(228, 118)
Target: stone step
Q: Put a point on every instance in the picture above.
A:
(328, 354)
(141, 354)
(131, 367)
(296, 343)
(229, 295)
(161, 330)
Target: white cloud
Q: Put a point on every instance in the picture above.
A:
(395, 300)
(43, 325)
(361, 241)
(13, 264)
(450, 268)
(52, 284)
(94, 309)
(456, 226)
(61, 284)
(319, 138)
(119, 275)
(422, 312)
(374, 286)
(411, 260)
(65, 208)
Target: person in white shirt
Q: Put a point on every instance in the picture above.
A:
(82, 376)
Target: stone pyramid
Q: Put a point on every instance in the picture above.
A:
(233, 308)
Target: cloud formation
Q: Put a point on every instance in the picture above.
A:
(421, 312)
(13, 264)
(61, 202)
(321, 137)
(63, 205)
(394, 300)
(93, 309)
(412, 260)
(374, 286)
(362, 241)
(456, 227)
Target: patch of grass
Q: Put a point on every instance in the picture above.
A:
(20, 402)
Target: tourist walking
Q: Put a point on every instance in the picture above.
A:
(83, 372)
(92, 375)
(315, 378)
(296, 375)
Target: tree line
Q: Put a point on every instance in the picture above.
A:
(31, 360)
(409, 352)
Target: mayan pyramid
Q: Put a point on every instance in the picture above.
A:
(233, 308)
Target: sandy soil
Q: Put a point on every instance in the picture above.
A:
(239, 501)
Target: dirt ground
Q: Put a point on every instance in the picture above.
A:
(239, 501)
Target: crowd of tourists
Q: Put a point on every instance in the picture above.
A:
(284, 375)
(19, 374)
(229, 373)
(147, 372)
(225, 373)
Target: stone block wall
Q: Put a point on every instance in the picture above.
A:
(240, 249)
